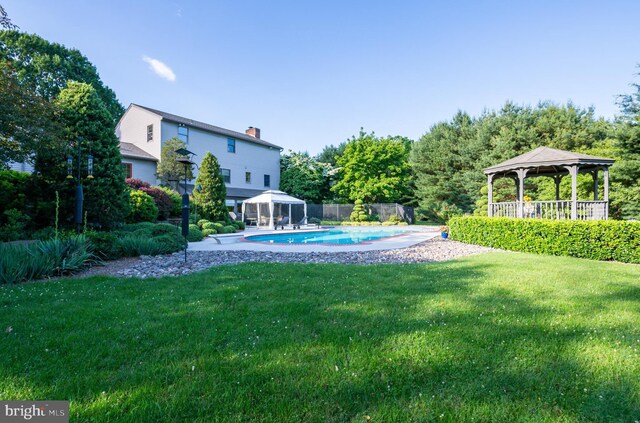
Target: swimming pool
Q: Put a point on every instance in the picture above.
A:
(342, 236)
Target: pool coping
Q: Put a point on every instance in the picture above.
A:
(412, 237)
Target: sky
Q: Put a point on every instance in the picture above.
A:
(312, 73)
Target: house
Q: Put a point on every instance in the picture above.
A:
(249, 165)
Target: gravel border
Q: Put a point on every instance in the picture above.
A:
(433, 250)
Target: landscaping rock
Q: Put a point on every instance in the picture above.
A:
(174, 265)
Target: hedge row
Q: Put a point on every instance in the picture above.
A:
(596, 239)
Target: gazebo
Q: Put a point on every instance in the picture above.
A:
(556, 164)
(271, 207)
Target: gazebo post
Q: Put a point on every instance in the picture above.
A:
(595, 184)
(606, 192)
(557, 179)
(271, 226)
(490, 194)
(522, 173)
(573, 171)
(258, 216)
(290, 217)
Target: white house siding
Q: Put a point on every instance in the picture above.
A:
(132, 128)
(249, 157)
(22, 167)
(142, 169)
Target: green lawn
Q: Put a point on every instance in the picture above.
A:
(497, 337)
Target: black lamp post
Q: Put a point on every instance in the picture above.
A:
(79, 190)
(186, 161)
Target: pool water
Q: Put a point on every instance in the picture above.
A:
(347, 236)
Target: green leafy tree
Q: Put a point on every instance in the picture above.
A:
(46, 67)
(88, 122)
(304, 177)
(5, 22)
(374, 169)
(213, 192)
(169, 170)
(27, 121)
(331, 153)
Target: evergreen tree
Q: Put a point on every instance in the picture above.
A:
(88, 126)
(213, 192)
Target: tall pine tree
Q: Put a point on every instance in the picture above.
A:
(86, 121)
(213, 192)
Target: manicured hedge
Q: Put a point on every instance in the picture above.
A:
(596, 239)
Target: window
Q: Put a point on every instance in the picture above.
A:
(226, 175)
(267, 180)
(127, 168)
(231, 145)
(149, 132)
(247, 177)
(183, 134)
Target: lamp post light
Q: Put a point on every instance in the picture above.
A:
(79, 189)
(186, 161)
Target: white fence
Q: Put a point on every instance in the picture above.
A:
(558, 210)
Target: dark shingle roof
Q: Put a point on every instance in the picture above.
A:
(207, 127)
(546, 157)
(130, 150)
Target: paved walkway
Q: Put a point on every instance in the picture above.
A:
(236, 242)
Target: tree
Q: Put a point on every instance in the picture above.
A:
(625, 173)
(169, 170)
(331, 153)
(27, 122)
(448, 160)
(304, 177)
(374, 169)
(46, 67)
(86, 121)
(5, 22)
(213, 192)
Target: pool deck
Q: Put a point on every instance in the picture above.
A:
(236, 242)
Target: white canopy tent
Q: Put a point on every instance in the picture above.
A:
(263, 208)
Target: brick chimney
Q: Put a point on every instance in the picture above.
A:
(254, 132)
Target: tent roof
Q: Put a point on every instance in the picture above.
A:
(548, 160)
(274, 196)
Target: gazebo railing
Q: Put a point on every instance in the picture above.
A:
(557, 210)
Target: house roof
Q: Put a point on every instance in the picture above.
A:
(207, 127)
(130, 150)
(548, 160)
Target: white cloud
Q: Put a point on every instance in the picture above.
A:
(160, 69)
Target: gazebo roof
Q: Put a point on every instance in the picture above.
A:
(548, 160)
(274, 196)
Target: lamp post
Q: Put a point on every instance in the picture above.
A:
(186, 161)
(79, 190)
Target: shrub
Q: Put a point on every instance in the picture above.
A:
(394, 220)
(241, 225)
(596, 239)
(13, 228)
(208, 225)
(202, 222)
(229, 229)
(132, 246)
(13, 189)
(136, 184)
(67, 255)
(176, 201)
(162, 200)
(105, 245)
(142, 208)
(207, 232)
(195, 234)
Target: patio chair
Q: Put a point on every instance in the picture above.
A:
(233, 216)
(284, 221)
(302, 221)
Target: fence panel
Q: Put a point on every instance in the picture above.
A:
(342, 212)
